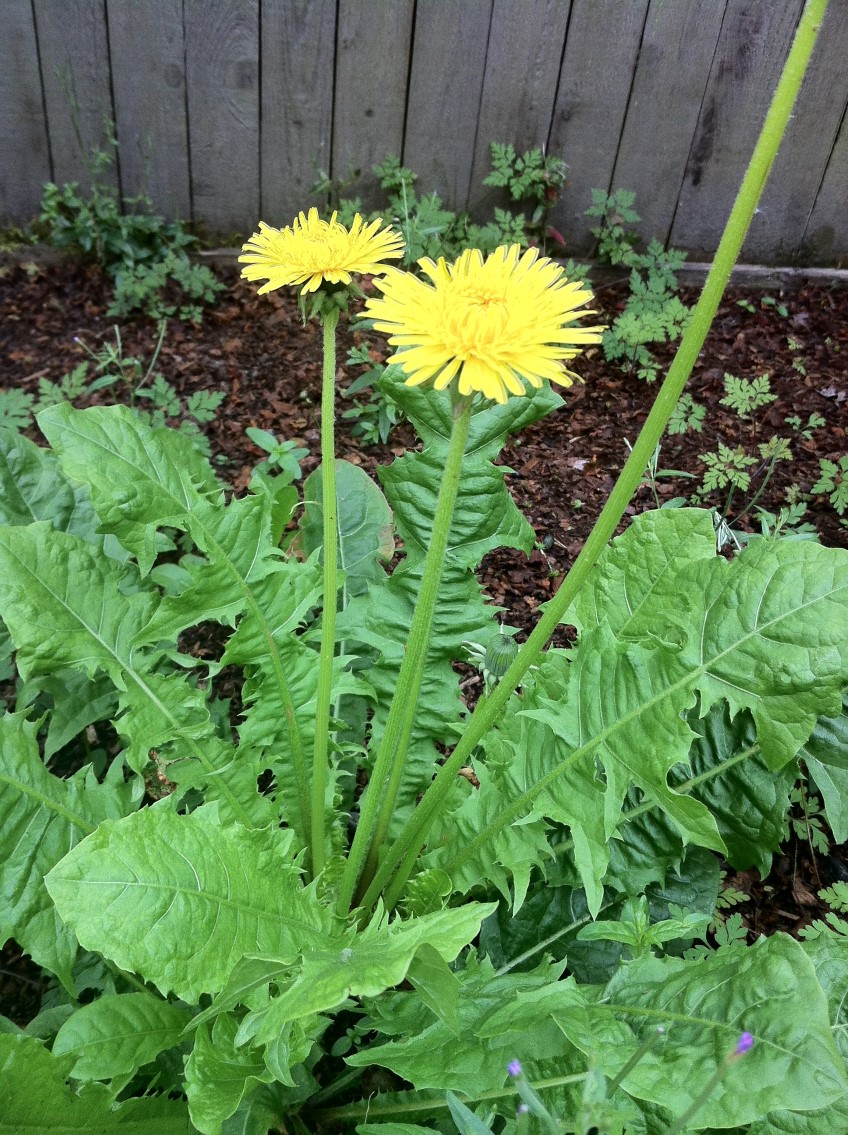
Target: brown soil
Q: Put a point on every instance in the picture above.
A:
(268, 364)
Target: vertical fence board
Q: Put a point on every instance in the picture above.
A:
(445, 87)
(148, 79)
(753, 45)
(594, 84)
(778, 228)
(74, 51)
(372, 62)
(222, 77)
(519, 87)
(826, 235)
(672, 72)
(298, 49)
(25, 164)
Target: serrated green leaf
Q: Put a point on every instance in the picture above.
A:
(138, 477)
(748, 800)
(41, 819)
(180, 899)
(430, 1054)
(36, 1098)
(380, 621)
(116, 1034)
(219, 1075)
(66, 606)
(367, 963)
(485, 515)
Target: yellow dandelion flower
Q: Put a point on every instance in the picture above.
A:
(311, 251)
(495, 323)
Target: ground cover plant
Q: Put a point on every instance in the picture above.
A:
(268, 972)
(146, 256)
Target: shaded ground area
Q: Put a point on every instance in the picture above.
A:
(256, 351)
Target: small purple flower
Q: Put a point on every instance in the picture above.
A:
(514, 1068)
(744, 1044)
(522, 1109)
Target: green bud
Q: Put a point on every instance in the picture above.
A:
(500, 654)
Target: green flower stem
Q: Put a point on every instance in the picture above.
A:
(379, 801)
(328, 620)
(405, 850)
(367, 1109)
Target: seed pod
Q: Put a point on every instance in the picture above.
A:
(499, 654)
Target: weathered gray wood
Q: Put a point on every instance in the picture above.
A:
(222, 78)
(678, 45)
(594, 84)
(148, 78)
(519, 90)
(754, 41)
(74, 51)
(825, 238)
(777, 230)
(298, 48)
(372, 63)
(445, 88)
(24, 150)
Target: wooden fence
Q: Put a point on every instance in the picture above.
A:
(224, 110)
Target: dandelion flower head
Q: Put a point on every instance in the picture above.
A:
(312, 251)
(494, 324)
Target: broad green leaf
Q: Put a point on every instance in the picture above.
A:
(390, 1128)
(41, 819)
(826, 757)
(377, 958)
(364, 526)
(769, 990)
(180, 899)
(138, 477)
(258, 1113)
(623, 583)
(115, 1035)
(219, 1075)
(430, 1054)
(767, 631)
(239, 574)
(37, 1099)
(33, 487)
(68, 607)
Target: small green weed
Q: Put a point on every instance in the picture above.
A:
(654, 313)
(744, 395)
(687, 415)
(431, 229)
(373, 419)
(833, 480)
(146, 255)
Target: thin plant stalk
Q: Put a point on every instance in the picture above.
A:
(379, 801)
(401, 857)
(328, 619)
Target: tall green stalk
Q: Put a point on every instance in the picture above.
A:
(328, 619)
(379, 801)
(400, 859)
